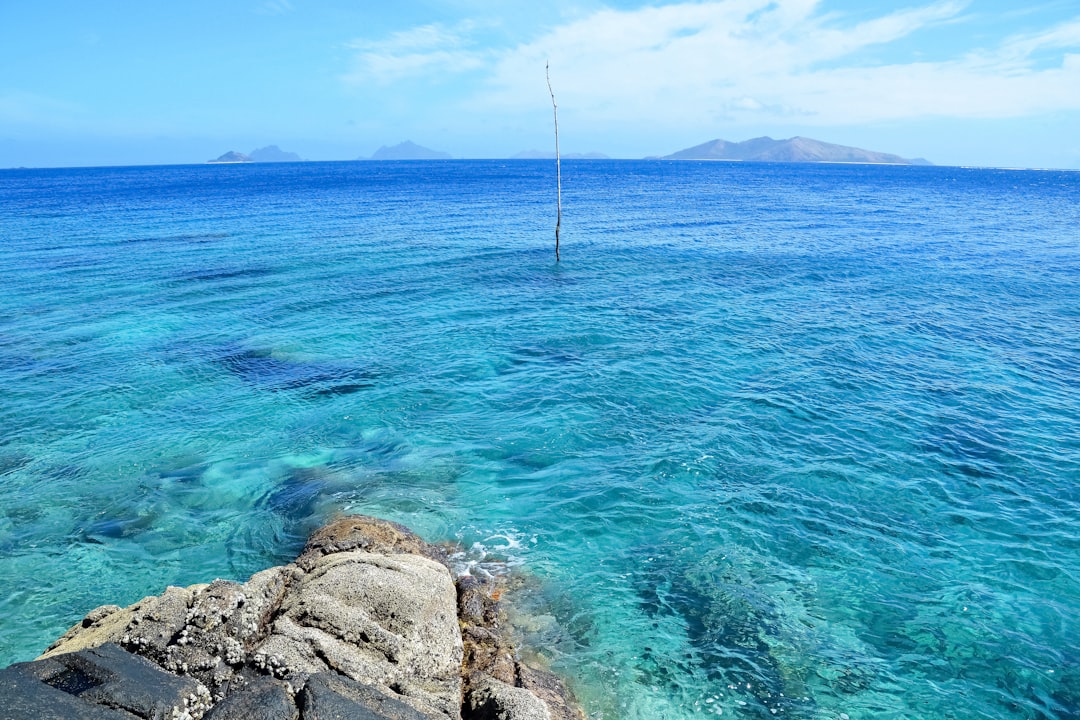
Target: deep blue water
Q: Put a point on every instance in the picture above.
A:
(774, 440)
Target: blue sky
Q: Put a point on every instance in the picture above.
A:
(97, 82)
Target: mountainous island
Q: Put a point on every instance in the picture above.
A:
(796, 149)
(407, 150)
(270, 153)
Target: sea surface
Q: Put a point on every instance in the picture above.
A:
(771, 440)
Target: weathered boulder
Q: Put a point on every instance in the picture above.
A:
(387, 620)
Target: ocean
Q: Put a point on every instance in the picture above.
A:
(771, 440)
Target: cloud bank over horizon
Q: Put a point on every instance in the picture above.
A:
(743, 61)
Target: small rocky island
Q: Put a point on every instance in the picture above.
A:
(368, 623)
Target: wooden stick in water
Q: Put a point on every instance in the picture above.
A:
(558, 166)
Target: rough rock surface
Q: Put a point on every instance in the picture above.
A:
(366, 623)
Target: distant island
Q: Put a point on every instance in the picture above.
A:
(762, 149)
(270, 153)
(544, 155)
(407, 150)
(796, 149)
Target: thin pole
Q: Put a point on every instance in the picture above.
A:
(558, 164)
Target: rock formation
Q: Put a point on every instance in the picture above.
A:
(366, 623)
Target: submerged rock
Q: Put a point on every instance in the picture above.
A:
(366, 623)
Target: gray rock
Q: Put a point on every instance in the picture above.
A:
(148, 626)
(261, 699)
(332, 697)
(491, 699)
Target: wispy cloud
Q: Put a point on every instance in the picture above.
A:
(275, 7)
(416, 52)
(29, 109)
(745, 61)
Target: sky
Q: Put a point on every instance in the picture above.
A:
(128, 82)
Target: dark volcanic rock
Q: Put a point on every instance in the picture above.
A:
(261, 699)
(332, 697)
(108, 677)
(23, 697)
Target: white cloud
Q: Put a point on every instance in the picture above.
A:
(744, 61)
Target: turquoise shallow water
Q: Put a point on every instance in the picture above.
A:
(770, 441)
